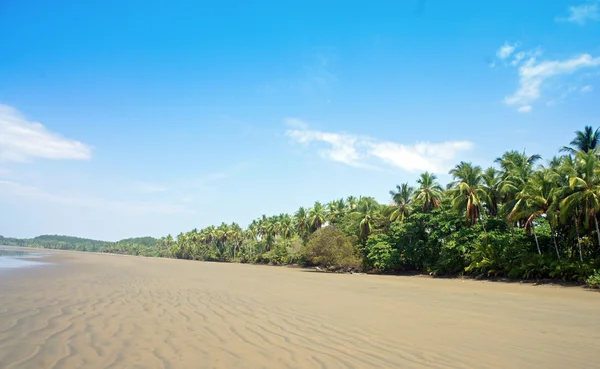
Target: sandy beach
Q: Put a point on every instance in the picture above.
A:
(109, 311)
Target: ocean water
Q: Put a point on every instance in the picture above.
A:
(14, 258)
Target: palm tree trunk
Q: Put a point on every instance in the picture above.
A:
(482, 224)
(578, 240)
(597, 231)
(537, 243)
(554, 239)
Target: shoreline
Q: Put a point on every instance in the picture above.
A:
(552, 283)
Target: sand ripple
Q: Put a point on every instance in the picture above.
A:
(105, 311)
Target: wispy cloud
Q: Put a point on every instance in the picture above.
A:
(506, 50)
(342, 147)
(361, 151)
(296, 123)
(533, 75)
(587, 88)
(525, 109)
(22, 140)
(583, 13)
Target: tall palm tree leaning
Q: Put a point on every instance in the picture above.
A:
(467, 191)
(402, 198)
(585, 191)
(586, 141)
(429, 192)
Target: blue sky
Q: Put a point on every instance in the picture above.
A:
(131, 118)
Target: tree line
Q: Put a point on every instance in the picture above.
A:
(521, 218)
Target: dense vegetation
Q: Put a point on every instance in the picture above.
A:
(146, 246)
(519, 219)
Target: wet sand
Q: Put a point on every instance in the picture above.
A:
(108, 311)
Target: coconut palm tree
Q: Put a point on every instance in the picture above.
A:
(586, 141)
(336, 210)
(535, 201)
(235, 234)
(429, 192)
(367, 210)
(317, 216)
(286, 227)
(584, 196)
(467, 191)
(351, 203)
(491, 184)
(402, 198)
(516, 169)
(302, 223)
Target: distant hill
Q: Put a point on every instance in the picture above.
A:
(146, 241)
(147, 246)
(66, 239)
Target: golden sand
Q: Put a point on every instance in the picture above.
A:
(109, 311)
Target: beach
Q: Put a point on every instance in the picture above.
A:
(85, 310)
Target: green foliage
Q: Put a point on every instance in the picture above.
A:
(594, 280)
(144, 241)
(329, 247)
(381, 255)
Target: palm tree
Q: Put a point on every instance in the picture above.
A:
(536, 201)
(491, 184)
(366, 210)
(336, 210)
(516, 170)
(586, 141)
(351, 203)
(286, 227)
(584, 197)
(402, 198)
(235, 234)
(317, 216)
(429, 191)
(467, 191)
(302, 223)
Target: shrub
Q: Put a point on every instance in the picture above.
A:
(594, 280)
(380, 253)
(329, 247)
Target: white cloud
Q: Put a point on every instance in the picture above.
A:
(21, 140)
(525, 109)
(587, 88)
(582, 13)
(506, 50)
(533, 75)
(342, 147)
(517, 59)
(357, 150)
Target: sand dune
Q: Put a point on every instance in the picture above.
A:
(107, 311)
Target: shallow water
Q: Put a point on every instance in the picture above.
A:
(14, 258)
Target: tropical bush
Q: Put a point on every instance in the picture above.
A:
(330, 247)
(594, 280)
